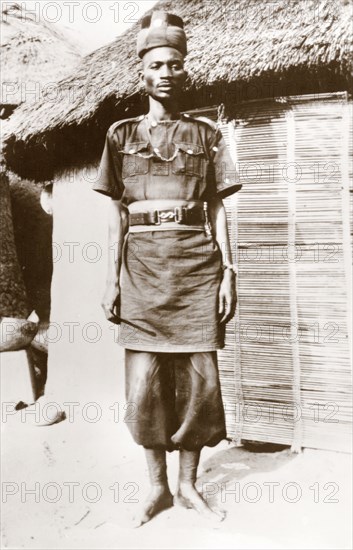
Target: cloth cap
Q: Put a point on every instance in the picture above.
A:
(161, 29)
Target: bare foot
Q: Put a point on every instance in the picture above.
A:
(160, 498)
(188, 497)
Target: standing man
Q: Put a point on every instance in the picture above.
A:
(171, 284)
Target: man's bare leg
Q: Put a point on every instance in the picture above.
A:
(160, 497)
(187, 495)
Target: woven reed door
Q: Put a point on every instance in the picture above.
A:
(288, 348)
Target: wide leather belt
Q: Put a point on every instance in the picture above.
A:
(179, 214)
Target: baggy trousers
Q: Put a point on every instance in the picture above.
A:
(174, 400)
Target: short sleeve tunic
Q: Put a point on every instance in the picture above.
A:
(169, 279)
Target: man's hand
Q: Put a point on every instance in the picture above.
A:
(111, 302)
(227, 297)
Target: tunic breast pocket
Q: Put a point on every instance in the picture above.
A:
(135, 159)
(190, 160)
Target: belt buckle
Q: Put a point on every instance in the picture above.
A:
(157, 217)
(178, 214)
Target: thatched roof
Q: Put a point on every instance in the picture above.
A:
(33, 53)
(239, 50)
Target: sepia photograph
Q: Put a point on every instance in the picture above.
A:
(176, 222)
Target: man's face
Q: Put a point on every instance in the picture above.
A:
(163, 73)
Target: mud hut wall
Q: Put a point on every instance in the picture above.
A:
(33, 237)
(13, 300)
(85, 363)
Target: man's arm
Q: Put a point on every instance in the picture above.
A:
(227, 293)
(118, 224)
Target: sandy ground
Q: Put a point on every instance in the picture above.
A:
(78, 485)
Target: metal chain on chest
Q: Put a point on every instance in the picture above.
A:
(156, 152)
